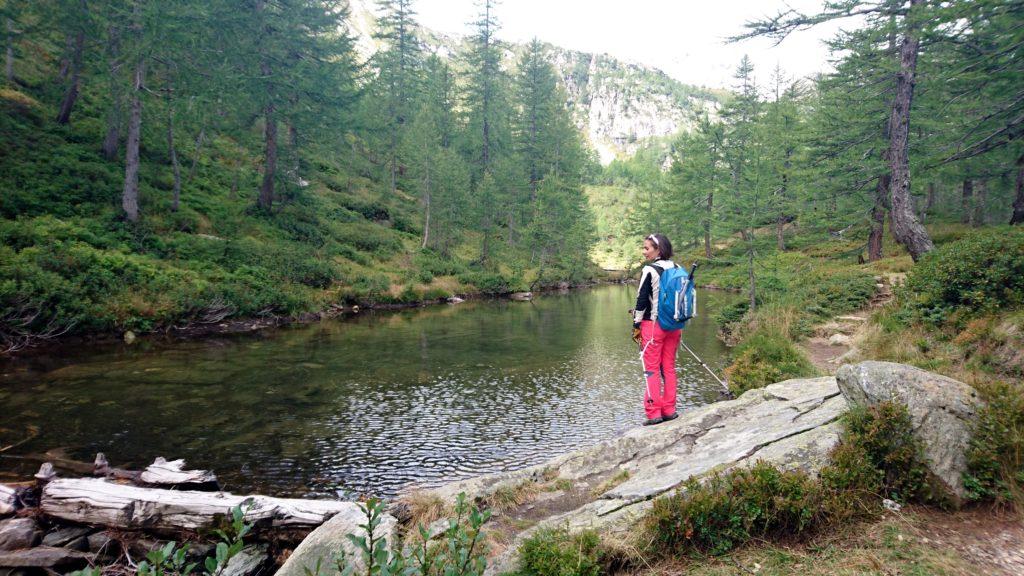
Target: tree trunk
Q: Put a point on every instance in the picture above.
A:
(877, 233)
(707, 223)
(978, 219)
(906, 227)
(176, 168)
(266, 199)
(929, 203)
(1018, 199)
(750, 274)
(426, 219)
(65, 59)
(966, 199)
(130, 196)
(71, 94)
(195, 153)
(9, 63)
(112, 140)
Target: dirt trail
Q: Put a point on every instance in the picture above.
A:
(832, 341)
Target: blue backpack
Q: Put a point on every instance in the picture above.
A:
(677, 298)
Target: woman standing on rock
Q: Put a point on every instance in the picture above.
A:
(658, 346)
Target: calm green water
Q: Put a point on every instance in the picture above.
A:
(364, 405)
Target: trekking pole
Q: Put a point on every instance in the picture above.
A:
(725, 387)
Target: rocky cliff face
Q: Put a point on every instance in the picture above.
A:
(616, 104)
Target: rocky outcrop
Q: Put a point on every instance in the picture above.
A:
(942, 411)
(792, 424)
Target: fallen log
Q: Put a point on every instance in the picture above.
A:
(99, 502)
(8, 499)
(164, 473)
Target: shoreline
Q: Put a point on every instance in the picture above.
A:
(250, 325)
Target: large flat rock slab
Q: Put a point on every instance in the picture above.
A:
(792, 424)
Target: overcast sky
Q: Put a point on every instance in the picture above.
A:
(685, 38)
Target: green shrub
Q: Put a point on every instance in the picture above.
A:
(995, 459)
(832, 292)
(978, 274)
(556, 552)
(487, 282)
(725, 511)
(883, 435)
(766, 358)
(436, 265)
(373, 286)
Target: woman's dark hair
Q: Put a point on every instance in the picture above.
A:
(662, 244)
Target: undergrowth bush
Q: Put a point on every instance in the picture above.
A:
(995, 458)
(765, 358)
(878, 452)
(978, 274)
(724, 511)
(557, 552)
(877, 456)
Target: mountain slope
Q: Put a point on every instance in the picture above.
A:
(616, 104)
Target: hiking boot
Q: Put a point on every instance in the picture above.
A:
(653, 421)
(671, 416)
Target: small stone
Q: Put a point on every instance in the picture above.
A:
(46, 473)
(891, 505)
(248, 561)
(63, 536)
(18, 533)
(43, 557)
(100, 542)
(839, 340)
(129, 337)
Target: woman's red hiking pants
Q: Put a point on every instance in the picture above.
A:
(659, 355)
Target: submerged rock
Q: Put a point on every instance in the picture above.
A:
(942, 412)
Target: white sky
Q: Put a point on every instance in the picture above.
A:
(684, 38)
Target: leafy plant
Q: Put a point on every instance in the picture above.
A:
(766, 358)
(995, 459)
(461, 553)
(557, 552)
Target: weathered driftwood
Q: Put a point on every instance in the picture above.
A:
(99, 502)
(164, 473)
(8, 499)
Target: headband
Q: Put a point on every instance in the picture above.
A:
(652, 238)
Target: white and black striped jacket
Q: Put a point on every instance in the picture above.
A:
(647, 295)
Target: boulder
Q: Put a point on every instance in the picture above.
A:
(324, 543)
(18, 533)
(942, 412)
(521, 296)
